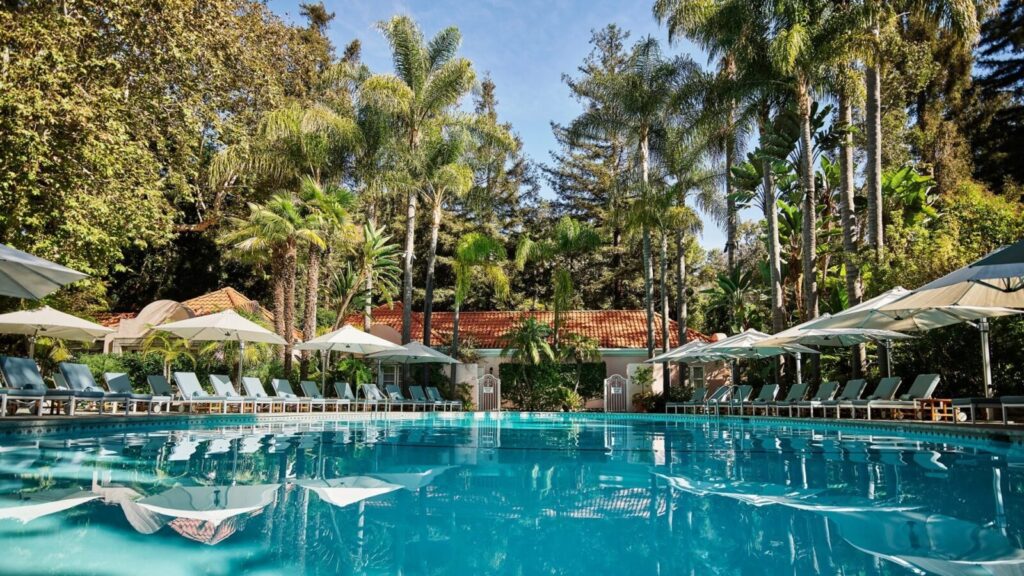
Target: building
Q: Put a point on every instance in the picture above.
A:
(621, 337)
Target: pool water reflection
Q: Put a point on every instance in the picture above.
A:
(517, 495)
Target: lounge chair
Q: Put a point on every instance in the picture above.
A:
(826, 392)
(922, 389)
(395, 396)
(740, 396)
(194, 395)
(344, 392)
(373, 397)
(79, 379)
(767, 395)
(696, 398)
(434, 394)
(973, 404)
(886, 390)
(716, 399)
(159, 386)
(310, 389)
(852, 391)
(25, 386)
(795, 394)
(254, 389)
(223, 387)
(420, 397)
(283, 389)
(119, 383)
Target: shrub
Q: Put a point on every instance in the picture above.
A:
(549, 386)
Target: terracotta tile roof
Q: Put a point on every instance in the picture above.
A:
(220, 300)
(611, 328)
(112, 319)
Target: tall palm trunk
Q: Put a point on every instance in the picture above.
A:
(648, 265)
(410, 246)
(371, 218)
(681, 308)
(280, 286)
(873, 113)
(290, 266)
(809, 233)
(848, 216)
(455, 338)
(428, 300)
(666, 375)
(312, 302)
(771, 214)
(732, 210)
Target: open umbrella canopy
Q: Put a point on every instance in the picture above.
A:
(412, 478)
(348, 339)
(23, 275)
(676, 353)
(342, 492)
(997, 280)
(744, 346)
(413, 353)
(830, 337)
(226, 325)
(213, 504)
(46, 321)
(881, 312)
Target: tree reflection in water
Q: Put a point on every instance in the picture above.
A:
(522, 495)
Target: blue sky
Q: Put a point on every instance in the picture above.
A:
(525, 46)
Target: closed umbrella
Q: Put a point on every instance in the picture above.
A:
(52, 323)
(223, 326)
(23, 275)
(349, 339)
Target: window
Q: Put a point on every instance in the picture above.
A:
(696, 376)
(389, 374)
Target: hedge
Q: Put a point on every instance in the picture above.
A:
(536, 387)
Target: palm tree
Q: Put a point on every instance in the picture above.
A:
(809, 37)
(527, 343)
(638, 102)
(476, 256)
(168, 348)
(428, 81)
(327, 209)
(275, 231)
(569, 241)
(446, 176)
(374, 263)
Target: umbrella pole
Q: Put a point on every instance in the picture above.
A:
(323, 371)
(799, 367)
(888, 358)
(986, 359)
(241, 356)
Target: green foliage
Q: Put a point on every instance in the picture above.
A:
(910, 194)
(354, 371)
(549, 386)
(527, 343)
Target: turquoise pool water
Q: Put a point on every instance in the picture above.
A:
(527, 494)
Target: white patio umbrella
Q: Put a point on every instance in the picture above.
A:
(223, 326)
(342, 492)
(23, 275)
(411, 353)
(743, 346)
(43, 503)
(52, 323)
(676, 353)
(881, 312)
(213, 504)
(830, 337)
(349, 339)
(993, 286)
(412, 478)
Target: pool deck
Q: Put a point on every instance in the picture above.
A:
(20, 427)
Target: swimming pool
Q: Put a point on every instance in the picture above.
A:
(515, 494)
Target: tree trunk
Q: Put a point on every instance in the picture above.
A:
(771, 214)
(848, 216)
(732, 212)
(312, 296)
(873, 113)
(291, 260)
(666, 375)
(278, 269)
(809, 233)
(681, 308)
(410, 246)
(371, 219)
(617, 291)
(455, 338)
(648, 265)
(428, 301)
